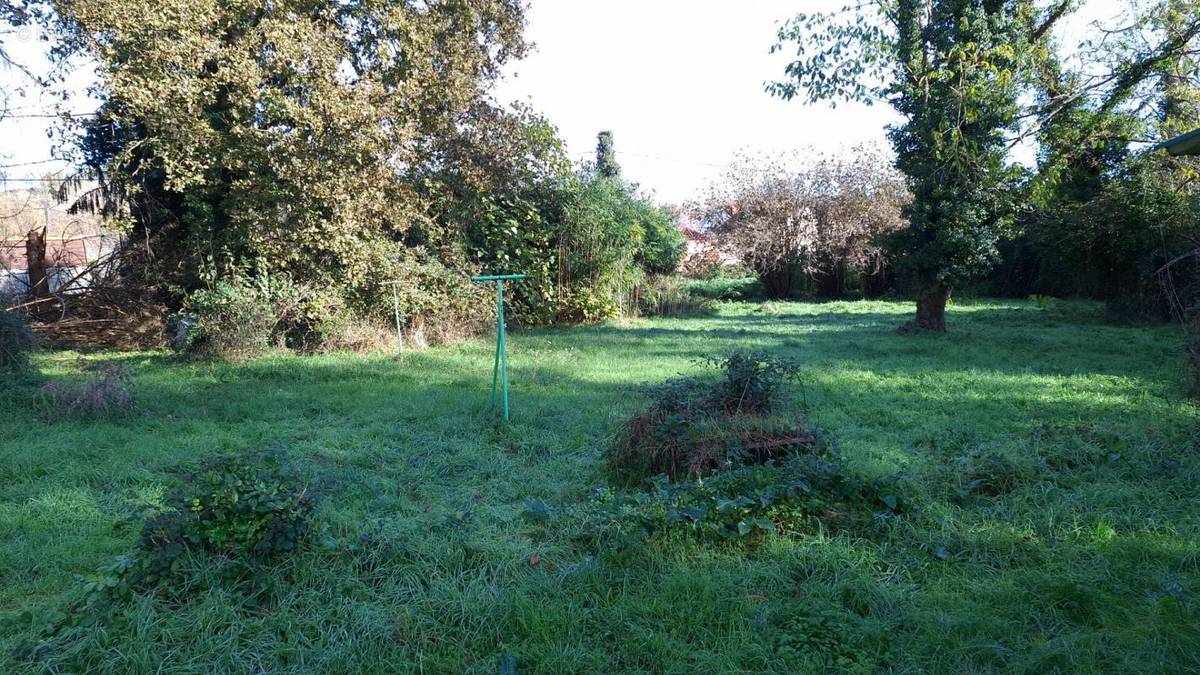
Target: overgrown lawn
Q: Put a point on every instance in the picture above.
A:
(1051, 460)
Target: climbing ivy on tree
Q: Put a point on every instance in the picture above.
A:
(969, 79)
(606, 156)
(954, 71)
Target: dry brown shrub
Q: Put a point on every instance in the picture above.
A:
(103, 393)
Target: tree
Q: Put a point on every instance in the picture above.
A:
(818, 218)
(953, 69)
(606, 156)
(288, 138)
(958, 72)
(1100, 215)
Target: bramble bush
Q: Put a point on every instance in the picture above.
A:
(242, 514)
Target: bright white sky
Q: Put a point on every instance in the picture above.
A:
(678, 82)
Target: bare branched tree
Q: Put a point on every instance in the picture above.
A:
(817, 217)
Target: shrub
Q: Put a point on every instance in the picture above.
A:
(694, 428)
(16, 341)
(233, 320)
(752, 381)
(251, 508)
(438, 302)
(587, 305)
(611, 238)
(669, 296)
(103, 393)
(743, 288)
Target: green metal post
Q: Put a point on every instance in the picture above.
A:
(500, 366)
(501, 348)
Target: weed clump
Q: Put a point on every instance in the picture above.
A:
(798, 494)
(239, 514)
(693, 428)
(104, 393)
(987, 475)
(248, 508)
(16, 341)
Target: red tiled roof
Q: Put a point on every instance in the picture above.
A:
(69, 253)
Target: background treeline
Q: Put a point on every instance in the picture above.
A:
(273, 164)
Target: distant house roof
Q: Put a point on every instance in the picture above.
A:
(23, 210)
(61, 253)
(692, 233)
(1183, 144)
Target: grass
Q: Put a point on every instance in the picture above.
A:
(1053, 459)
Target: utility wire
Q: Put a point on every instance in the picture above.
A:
(39, 162)
(28, 116)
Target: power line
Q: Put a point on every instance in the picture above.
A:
(44, 161)
(29, 116)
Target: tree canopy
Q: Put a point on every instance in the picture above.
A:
(963, 76)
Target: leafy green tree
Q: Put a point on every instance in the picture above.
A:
(954, 70)
(1100, 217)
(294, 137)
(606, 156)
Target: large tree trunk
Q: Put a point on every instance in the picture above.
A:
(35, 264)
(931, 309)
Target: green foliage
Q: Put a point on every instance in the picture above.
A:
(293, 138)
(251, 508)
(751, 381)
(611, 239)
(1105, 233)
(962, 76)
(795, 494)
(664, 244)
(824, 640)
(693, 427)
(1193, 349)
(16, 342)
(236, 319)
(249, 316)
(670, 296)
(515, 236)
